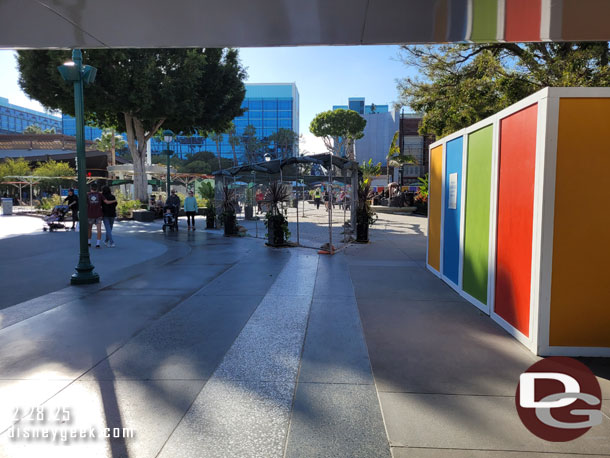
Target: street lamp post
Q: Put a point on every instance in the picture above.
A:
(168, 136)
(81, 74)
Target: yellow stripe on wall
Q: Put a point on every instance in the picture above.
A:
(434, 207)
(580, 295)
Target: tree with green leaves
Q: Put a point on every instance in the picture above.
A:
(141, 90)
(459, 85)
(10, 168)
(37, 130)
(56, 173)
(339, 129)
(285, 141)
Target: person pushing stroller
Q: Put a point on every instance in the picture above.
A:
(170, 211)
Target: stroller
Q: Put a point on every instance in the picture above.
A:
(170, 218)
(56, 219)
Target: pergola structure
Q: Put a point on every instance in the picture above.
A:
(345, 168)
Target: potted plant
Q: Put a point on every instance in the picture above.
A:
(210, 215)
(227, 207)
(275, 222)
(365, 216)
(249, 209)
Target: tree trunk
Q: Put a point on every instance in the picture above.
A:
(113, 148)
(234, 156)
(218, 151)
(135, 131)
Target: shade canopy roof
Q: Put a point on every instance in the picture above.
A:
(250, 23)
(273, 167)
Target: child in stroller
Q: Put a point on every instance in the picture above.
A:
(170, 217)
(56, 218)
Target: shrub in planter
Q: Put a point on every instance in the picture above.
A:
(249, 204)
(275, 222)
(47, 203)
(365, 216)
(210, 216)
(249, 212)
(228, 206)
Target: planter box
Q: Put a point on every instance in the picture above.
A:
(143, 215)
(502, 228)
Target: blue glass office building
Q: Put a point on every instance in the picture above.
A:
(357, 104)
(14, 119)
(268, 107)
(68, 127)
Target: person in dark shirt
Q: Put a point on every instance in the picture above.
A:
(72, 201)
(109, 204)
(174, 201)
(94, 213)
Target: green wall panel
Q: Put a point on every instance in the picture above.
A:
(484, 20)
(476, 224)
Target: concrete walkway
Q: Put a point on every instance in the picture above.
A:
(213, 347)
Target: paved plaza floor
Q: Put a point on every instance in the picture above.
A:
(197, 345)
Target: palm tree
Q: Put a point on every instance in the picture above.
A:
(285, 140)
(110, 142)
(395, 158)
(234, 141)
(217, 138)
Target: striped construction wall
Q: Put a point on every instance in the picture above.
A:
(529, 240)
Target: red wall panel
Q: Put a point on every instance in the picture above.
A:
(522, 20)
(515, 217)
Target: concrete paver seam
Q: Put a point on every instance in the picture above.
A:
(294, 393)
(222, 361)
(385, 425)
(518, 452)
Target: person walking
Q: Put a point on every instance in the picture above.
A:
(94, 213)
(317, 196)
(174, 201)
(109, 204)
(259, 201)
(72, 201)
(190, 208)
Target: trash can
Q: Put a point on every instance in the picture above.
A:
(7, 206)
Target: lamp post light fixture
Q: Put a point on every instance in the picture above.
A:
(80, 74)
(168, 136)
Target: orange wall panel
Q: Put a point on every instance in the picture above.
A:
(515, 217)
(434, 207)
(580, 291)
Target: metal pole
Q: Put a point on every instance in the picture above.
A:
(297, 208)
(84, 270)
(330, 205)
(168, 172)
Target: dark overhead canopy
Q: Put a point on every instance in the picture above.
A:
(273, 167)
(244, 23)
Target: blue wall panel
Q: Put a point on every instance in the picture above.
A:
(453, 210)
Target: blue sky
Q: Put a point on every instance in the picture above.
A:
(324, 75)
